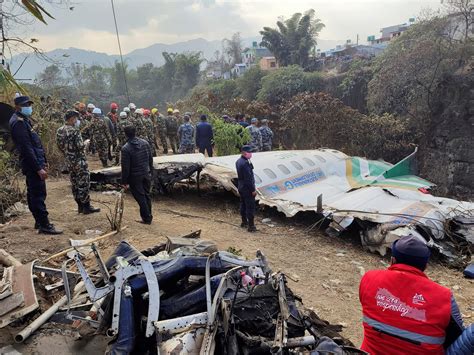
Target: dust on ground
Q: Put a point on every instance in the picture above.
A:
(328, 268)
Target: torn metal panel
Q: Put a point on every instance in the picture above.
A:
(22, 283)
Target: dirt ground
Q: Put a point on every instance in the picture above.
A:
(328, 269)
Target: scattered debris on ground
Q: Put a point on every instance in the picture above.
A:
(182, 296)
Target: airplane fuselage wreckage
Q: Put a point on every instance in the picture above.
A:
(380, 200)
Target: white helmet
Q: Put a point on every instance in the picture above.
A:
(132, 106)
(96, 111)
(139, 111)
(126, 109)
(123, 114)
(90, 106)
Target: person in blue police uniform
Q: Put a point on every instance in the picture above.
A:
(246, 187)
(33, 163)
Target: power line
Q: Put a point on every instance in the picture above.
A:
(120, 50)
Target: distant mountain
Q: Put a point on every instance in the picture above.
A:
(152, 54)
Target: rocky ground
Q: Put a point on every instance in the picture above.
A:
(328, 269)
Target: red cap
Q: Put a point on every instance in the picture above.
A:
(113, 105)
(146, 112)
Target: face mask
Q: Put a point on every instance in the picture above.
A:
(248, 155)
(77, 124)
(27, 111)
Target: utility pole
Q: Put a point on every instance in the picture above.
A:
(357, 41)
(2, 58)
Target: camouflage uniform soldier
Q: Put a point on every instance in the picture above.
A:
(172, 130)
(137, 121)
(121, 137)
(186, 136)
(267, 136)
(256, 141)
(149, 131)
(160, 128)
(69, 141)
(100, 135)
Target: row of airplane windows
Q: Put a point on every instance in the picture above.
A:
(284, 169)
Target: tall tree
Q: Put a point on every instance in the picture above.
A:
(51, 77)
(294, 38)
(233, 48)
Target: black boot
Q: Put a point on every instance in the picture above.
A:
(244, 223)
(37, 225)
(251, 227)
(80, 206)
(49, 229)
(88, 209)
(104, 163)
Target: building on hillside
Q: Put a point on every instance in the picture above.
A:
(253, 54)
(390, 32)
(239, 70)
(268, 63)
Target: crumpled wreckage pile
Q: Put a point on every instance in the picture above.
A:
(380, 200)
(186, 297)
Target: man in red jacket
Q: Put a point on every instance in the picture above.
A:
(404, 312)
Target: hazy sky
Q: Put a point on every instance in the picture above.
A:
(144, 22)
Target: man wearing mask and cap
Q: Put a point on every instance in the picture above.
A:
(246, 187)
(33, 163)
(69, 141)
(404, 312)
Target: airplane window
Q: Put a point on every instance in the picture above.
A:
(284, 169)
(309, 161)
(320, 158)
(270, 173)
(297, 165)
(257, 179)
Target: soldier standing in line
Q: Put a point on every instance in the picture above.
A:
(149, 131)
(122, 139)
(172, 130)
(186, 136)
(160, 128)
(100, 135)
(256, 141)
(137, 121)
(113, 133)
(267, 136)
(69, 141)
(179, 119)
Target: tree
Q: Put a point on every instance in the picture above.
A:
(13, 16)
(294, 38)
(51, 77)
(286, 82)
(250, 83)
(408, 73)
(233, 49)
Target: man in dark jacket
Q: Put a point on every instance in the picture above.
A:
(33, 163)
(246, 187)
(137, 167)
(204, 136)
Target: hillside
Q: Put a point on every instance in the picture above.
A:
(152, 54)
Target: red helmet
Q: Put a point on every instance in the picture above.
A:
(113, 105)
(146, 112)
